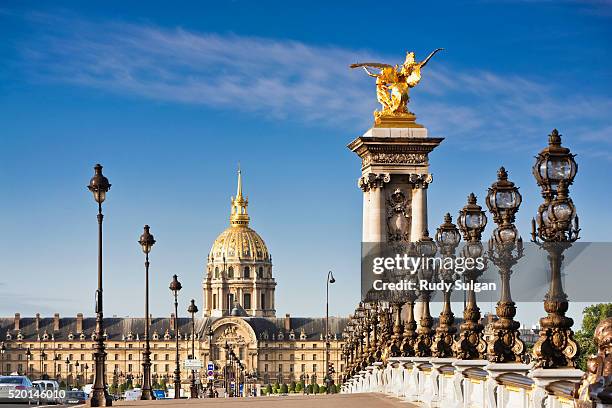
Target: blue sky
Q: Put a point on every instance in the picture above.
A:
(170, 99)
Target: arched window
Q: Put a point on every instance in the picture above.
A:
(260, 272)
(230, 272)
(247, 301)
(263, 301)
(247, 272)
(217, 272)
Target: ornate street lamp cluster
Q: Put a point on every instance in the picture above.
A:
(376, 330)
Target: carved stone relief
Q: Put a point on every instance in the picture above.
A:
(398, 216)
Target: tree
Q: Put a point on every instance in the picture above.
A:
(591, 316)
(268, 389)
(322, 389)
(299, 387)
(292, 386)
(309, 389)
(284, 389)
(315, 388)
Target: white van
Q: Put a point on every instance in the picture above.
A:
(50, 392)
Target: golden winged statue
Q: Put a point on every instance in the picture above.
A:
(394, 82)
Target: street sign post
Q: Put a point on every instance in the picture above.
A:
(192, 364)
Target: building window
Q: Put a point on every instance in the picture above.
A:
(291, 367)
(214, 301)
(247, 272)
(230, 272)
(314, 346)
(217, 272)
(314, 357)
(129, 368)
(303, 356)
(167, 357)
(260, 272)
(263, 301)
(167, 367)
(291, 357)
(247, 301)
(154, 368)
(280, 368)
(314, 368)
(154, 356)
(280, 356)
(265, 368)
(129, 356)
(303, 367)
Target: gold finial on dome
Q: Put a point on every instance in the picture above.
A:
(239, 215)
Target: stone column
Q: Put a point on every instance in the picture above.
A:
(374, 225)
(419, 205)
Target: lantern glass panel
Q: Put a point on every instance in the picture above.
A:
(507, 235)
(99, 196)
(505, 199)
(473, 220)
(450, 237)
(559, 169)
(562, 211)
(474, 250)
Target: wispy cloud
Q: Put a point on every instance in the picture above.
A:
(290, 79)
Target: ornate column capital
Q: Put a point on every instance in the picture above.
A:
(421, 180)
(372, 181)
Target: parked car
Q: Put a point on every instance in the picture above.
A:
(49, 391)
(75, 397)
(16, 389)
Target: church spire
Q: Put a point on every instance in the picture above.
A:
(239, 215)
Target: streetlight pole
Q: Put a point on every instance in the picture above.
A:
(210, 335)
(99, 186)
(86, 376)
(330, 279)
(55, 360)
(76, 373)
(2, 350)
(43, 356)
(146, 241)
(193, 309)
(175, 287)
(67, 373)
(28, 358)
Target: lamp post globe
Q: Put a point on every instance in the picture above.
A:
(146, 242)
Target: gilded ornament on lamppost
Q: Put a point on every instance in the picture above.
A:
(505, 249)
(393, 85)
(472, 221)
(447, 238)
(554, 229)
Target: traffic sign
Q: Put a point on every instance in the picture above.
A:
(192, 364)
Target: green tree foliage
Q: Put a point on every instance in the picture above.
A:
(322, 389)
(292, 386)
(315, 388)
(268, 389)
(309, 389)
(591, 316)
(299, 387)
(284, 389)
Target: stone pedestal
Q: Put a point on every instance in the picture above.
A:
(462, 391)
(499, 395)
(440, 385)
(543, 377)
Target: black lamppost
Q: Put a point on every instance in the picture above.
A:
(328, 380)
(193, 309)
(99, 186)
(76, 373)
(175, 287)
(67, 373)
(2, 351)
(56, 358)
(146, 241)
(86, 367)
(210, 335)
(43, 356)
(28, 358)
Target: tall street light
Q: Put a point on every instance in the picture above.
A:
(210, 335)
(175, 287)
(28, 358)
(330, 280)
(505, 249)
(557, 228)
(99, 186)
(193, 309)
(43, 356)
(2, 351)
(146, 241)
(67, 373)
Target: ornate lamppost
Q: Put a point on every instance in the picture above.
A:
(210, 335)
(99, 186)
(86, 367)
(425, 248)
(472, 221)
(43, 356)
(56, 358)
(67, 373)
(175, 287)
(2, 351)
(76, 373)
(329, 280)
(505, 249)
(146, 241)
(447, 238)
(28, 358)
(555, 230)
(193, 309)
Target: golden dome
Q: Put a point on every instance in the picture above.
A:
(239, 242)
